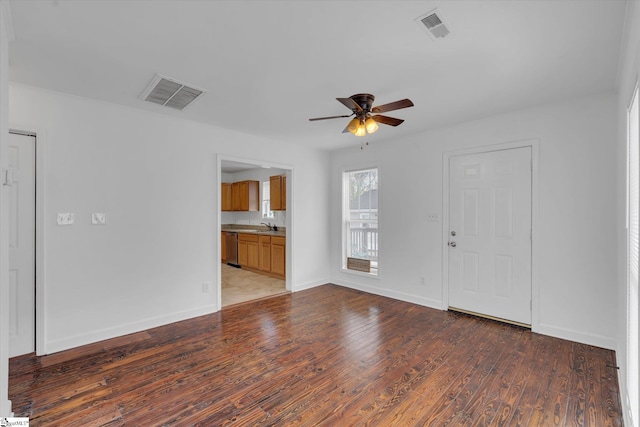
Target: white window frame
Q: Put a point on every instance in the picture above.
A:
(346, 221)
(265, 205)
(633, 249)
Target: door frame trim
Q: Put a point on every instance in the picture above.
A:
(446, 156)
(289, 219)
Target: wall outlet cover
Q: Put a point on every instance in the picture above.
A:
(65, 218)
(98, 218)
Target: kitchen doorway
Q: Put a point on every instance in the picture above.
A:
(254, 229)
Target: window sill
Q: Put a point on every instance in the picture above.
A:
(361, 273)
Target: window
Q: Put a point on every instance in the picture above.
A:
(360, 214)
(266, 200)
(633, 261)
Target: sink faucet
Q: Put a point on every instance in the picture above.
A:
(268, 224)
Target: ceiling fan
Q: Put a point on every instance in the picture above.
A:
(361, 106)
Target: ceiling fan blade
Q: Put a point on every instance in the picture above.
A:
(403, 103)
(350, 104)
(391, 121)
(330, 117)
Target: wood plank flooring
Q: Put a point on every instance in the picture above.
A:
(328, 356)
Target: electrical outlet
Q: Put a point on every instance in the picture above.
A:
(205, 287)
(423, 281)
(65, 218)
(98, 218)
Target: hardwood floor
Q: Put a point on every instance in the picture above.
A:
(239, 285)
(325, 356)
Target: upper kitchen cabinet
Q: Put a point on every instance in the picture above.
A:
(278, 188)
(226, 198)
(241, 196)
(245, 196)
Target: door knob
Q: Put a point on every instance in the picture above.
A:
(452, 244)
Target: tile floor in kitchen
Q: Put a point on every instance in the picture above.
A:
(239, 285)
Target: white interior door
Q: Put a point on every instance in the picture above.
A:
(22, 203)
(490, 234)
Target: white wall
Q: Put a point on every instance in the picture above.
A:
(577, 219)
(156, 179)
(5, 404)
(628, 75)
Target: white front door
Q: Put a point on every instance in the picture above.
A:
(490, 234)
(22, 203)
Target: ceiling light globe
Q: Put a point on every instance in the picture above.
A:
(371, 125)
(353, 125)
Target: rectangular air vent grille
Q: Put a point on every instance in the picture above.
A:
(170, 93)
(431, 21)
(433, 24)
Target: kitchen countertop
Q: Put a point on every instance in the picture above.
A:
(253, 229)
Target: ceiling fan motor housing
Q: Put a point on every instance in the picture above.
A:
(365, 101)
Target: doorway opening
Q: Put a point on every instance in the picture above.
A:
(254, 229)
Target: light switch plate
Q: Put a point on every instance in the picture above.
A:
(98, 218)
(65, 218)
(433, 217)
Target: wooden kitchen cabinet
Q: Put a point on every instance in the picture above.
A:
(226, 199)
(265, 254)
(278, 188)
(278, 256)
(248, 251)
(245, 196)
(223, 247)
(253, 255)
(242, 252)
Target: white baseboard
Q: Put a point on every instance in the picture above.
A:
(577, 336)
(553, 331)
(125, 329)
(390, 293)
(309, 285)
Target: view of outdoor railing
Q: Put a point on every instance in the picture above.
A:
(364, 242)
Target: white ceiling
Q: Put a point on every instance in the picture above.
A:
(268, 66)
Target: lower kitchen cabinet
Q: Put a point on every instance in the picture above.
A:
(242, 252)
(223, 247)
(263, 254)
(248, 250)
(278, 256)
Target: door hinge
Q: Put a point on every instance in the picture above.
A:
(7, 177)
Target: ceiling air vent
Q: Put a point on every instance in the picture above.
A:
(170, 93)
(432, 23)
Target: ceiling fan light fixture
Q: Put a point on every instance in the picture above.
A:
(370, 125)
(361, 105)
(353, 125)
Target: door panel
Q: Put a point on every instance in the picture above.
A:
(490, 215)
(21, 244)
